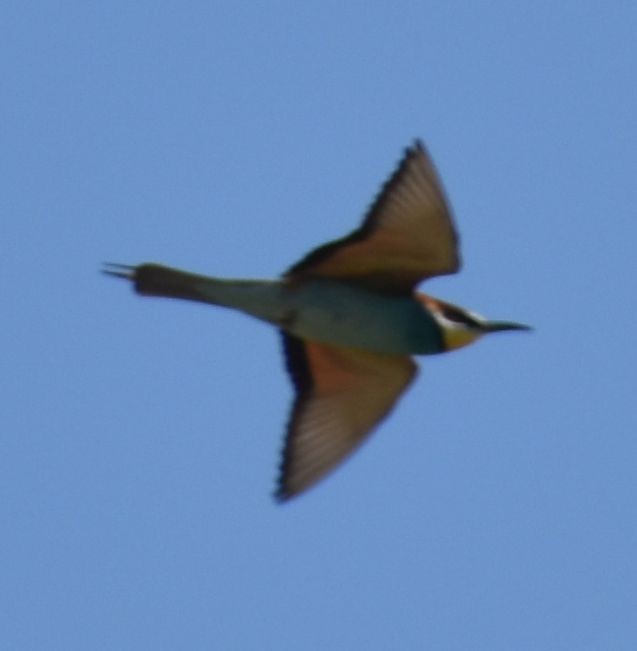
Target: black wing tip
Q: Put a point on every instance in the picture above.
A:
(281, 495)
(282, 492)
(417, 144)
(417, 147)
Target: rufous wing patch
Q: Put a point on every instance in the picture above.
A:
(341, 394)
(408, 234)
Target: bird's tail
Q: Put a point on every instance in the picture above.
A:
(262, 299)
(157, 280)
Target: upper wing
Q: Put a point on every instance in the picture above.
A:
(408, 234)
(341, 394)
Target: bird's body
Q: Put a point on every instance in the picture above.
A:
(350, 317)
(321, 310)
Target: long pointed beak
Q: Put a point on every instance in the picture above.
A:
(501, 326)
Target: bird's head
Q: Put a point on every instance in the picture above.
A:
(460, 327)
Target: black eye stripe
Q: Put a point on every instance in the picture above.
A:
(457, 316)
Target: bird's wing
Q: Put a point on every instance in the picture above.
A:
(341, 394)
(408, 235)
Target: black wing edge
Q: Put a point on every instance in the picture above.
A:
(298, 369)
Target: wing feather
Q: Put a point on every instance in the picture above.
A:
(341, 395)
(407, 236)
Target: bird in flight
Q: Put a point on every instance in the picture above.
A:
(349, 316)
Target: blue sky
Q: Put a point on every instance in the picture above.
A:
(139, 439)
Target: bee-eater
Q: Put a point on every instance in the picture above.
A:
(349, 316)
